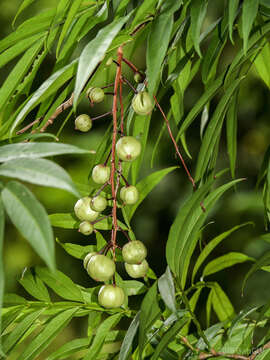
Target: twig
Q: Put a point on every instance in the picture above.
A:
(129, 84)
(133, 67)
(102, 188)
(101, 116)
(29, 126)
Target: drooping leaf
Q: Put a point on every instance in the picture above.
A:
(31, 219)
(40, 172)
(231, 132)
(70, 348)
(233, 5)
(167, 290)
(262, 64)
(2, 276)
(133, 287)
(197, 14)
(34, 286)
(146, 8)
(77, 251)
(25, 4)
(128, 339)
(221, 303)
(249, 13)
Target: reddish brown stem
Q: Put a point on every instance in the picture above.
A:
(102, 187)
(130, 85)
(106, 86)
(29, 126)
(133, 67)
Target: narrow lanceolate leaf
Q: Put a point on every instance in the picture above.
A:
(60, 283)
(31, 219)
(212, 245)
(44, 338)
(77, 251)
(231, 132)
(22, 7)
(70, 348)
(93, 53)
(250, 10)
(225, 261)
(34, 286)
(100, 337)
(197, 13)
(38, 150)
(128, 339)
(49, 87)
(167, 290)
(262, 64)
(233, 5)
(221, 303)
(2, 277)
(146, 8)
(40, 172)
(157, 44)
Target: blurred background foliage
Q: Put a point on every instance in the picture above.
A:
(155, 215)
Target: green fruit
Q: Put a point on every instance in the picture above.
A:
(83, 210)
(95, 94)
(101, 268)
(136, 271)
(87, 258)
(134, 252)
(98, 203)
(101, 174)
(129, 194)
(142, 103)
(83, 123)
(86, 228)
(137, 77)
(128, 148)
(111, 296)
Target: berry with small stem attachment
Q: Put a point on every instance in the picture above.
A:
(142, 103)
(95, 94)
(101, 268)
(111, 296)
(128, 148)
(134, 252)
(137, 270)
(98, 203)
(129, 194)
(86, 228)
(87, 258)
(83, 210)
(83, 123)
(101, 174)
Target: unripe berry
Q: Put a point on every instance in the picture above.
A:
(136, 271)
(98, 203)
(101, 174)
(100, 268)
(129, 194)
(134, 252)
(109, 61)
(128, 148)
(138, 77)
(83, 210)
(142, 103)
(83, 123)
(111, 296)
(86, 228)
(87, 258)
(95, 94)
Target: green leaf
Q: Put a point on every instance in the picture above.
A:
(14, 337)
(225, 261)
(70, 348)
(264, 355)
(93, 53)
(233, 6)
(146, 8)
(221, 303)
(49, 87)
(262, 64)
(25, 4)
(61, 284)
(167, 290)
(145, 186)
(231, 132)
(198, 10)
(34, 286)
(212, 245)
(134, 287)
(40, 172)
(37, 150)
(128, 339)
(43, 339)
(157, 44)
(100, 337)
(31, 219)
(249, 13)
(2, 276)
(77, 251)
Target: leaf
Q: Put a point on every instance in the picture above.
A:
(212, 245)
(43, 339)
(221, 303)
(100, 337)
(40, 172)
(77, 251)
(37, 150)
(197, 14)
(231, 132)
(31, 219)
(93, 53)
(2, 276)
(233, 6)
(49, 87)
(167, 290)
(25, 4)
(225, 261)
(262, 64)
(34, 286)
(157, 44)
(145, 186)
(249, 13)
(133, 287)
(264, 355)
(70, 348)
(146, 8)
(61, 284)
(129, 337)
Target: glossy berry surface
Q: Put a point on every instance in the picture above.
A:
(83, 210)
(87, 258)
(128, 148)
(83, 123)
(129, 194)
(136, 271)
(142, 103)
(111, 296)
(134, 252)
(100, 268)
(95, 94)
(98, 203)
(101, 174)
(86, 228)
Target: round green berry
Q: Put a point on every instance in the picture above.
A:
(111, 296)
(95, 94)
(101, 174)
(137, 270)
(138, 77)
(98, 203)
(83, 210)
(142, 103)
(87, 258)
(86, 228)
(128, 148)
(83, 123)
(100, 267)
(134, 252)
(129, 194)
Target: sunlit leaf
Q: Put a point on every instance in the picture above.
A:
(221, 303)
(34, 286)
(249, 13)
(70, 348)
(197, 13)
(2, 276)
(233, 5)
